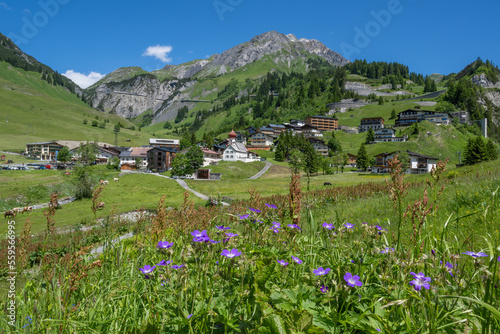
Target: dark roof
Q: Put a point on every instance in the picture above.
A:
(329, 117)
(171, 150)
(279, 126)
(409, 153)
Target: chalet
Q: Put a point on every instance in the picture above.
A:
(373, 123)
(297, 122)
(351, 159)
(278, 129)
(210, 157)
(418, 164)
(266, 130)
(319, 146)
(172, 144)
(305, 129)
(462, 116)
(251, 130)
(260, 139)
(237, 151)
(129, 156)
(46, 151)
(388, 135)
(439, 118)
(323, 123)
(410, 116)
(160, 159)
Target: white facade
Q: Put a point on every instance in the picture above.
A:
(261, 140)
(420, 165)
(238, 152)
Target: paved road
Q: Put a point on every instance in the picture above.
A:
(184, 185)
(100, 249)
(259, 174)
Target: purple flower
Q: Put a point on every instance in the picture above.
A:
(271, 206)
(222, 228)
(276, 225)
(163, 263)
(177, 266)
(320, 271)
(420, 281)
(231, 235)
(479, 254)
(259, 221)
(328, 226)
(147, 269)
(352, 280)
(418, 276)
(275, 230)
(296, 259)
(282, 262)
(294, 226)
(323, 289)
(498, 259)
(163, 284)
(349, 225)
(213, 242)
(379, 330)
(255, 210)
(189, 316)
(449, 267)
(244, 217)
(230, 253)
(200, 236)
(380, 228)
(164, 244)
(387, 250)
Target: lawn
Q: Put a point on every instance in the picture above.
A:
(132, 192)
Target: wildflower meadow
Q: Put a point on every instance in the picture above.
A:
(284, 265)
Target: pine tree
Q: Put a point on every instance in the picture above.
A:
(393, 114)
(491, 150)
(370, 136)
(362, 160)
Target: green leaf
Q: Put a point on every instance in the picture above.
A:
(494, 311)
(275, 324)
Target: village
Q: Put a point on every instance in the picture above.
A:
(158, 154)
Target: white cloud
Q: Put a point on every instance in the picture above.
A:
(160, 52)
(5, 6)
(83, 80)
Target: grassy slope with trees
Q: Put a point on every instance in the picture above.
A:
(33, 110)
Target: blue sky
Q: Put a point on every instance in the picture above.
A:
(92, 38)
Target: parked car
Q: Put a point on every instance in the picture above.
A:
(191, 177)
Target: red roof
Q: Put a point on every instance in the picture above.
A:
(232, 134)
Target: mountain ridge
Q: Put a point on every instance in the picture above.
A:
(150, 93)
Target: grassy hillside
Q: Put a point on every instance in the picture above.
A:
(32, 110)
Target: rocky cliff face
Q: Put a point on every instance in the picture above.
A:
(129, 92)
(482, 81)
(269, 43)
(132, 97)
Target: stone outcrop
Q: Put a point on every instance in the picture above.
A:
(131, 91)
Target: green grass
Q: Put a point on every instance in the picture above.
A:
(18, 159)
(132, 192)
(442, 142)
(237, 170)
(33, 111)
(276, 181)
(253, 293)
(15, 183)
